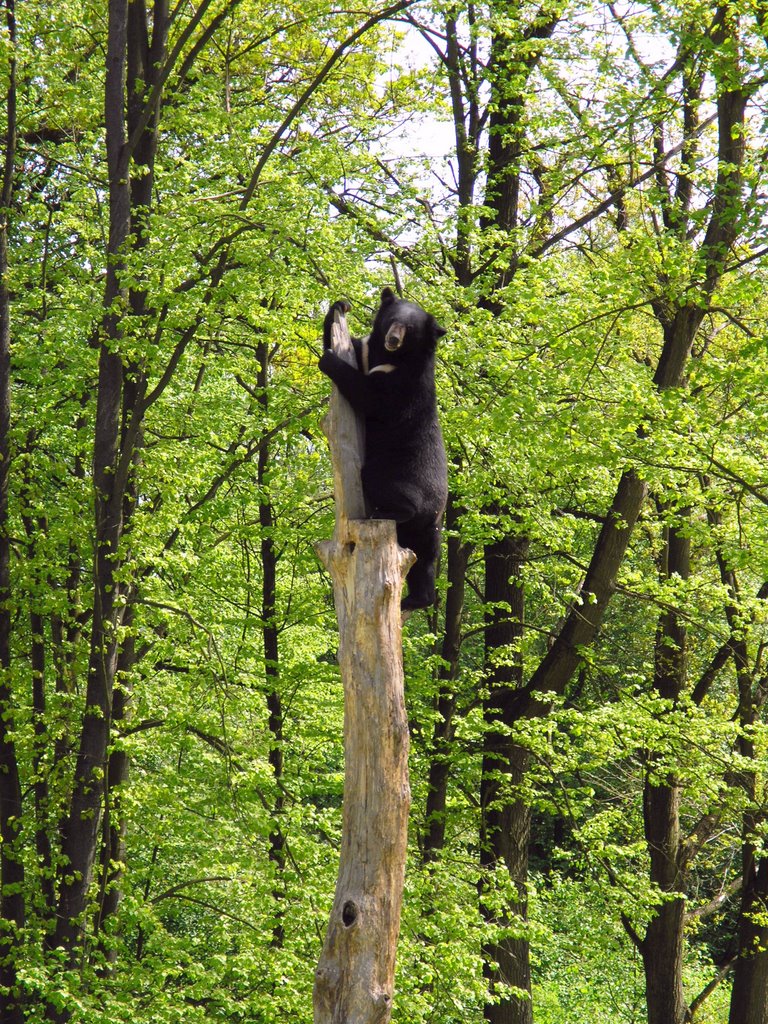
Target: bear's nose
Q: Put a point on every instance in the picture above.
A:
(394, 337)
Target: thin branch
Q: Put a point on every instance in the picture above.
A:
(216, 909)
(711, 672)
(616, 195)
(175, 889)
(733, 319)
(403, 254)
(144, 726)
(153, 99)
(714, 905)
(312, 88)
(213, 646)
(634, 938)
(753, 256)
(710, 988)
(731, 474)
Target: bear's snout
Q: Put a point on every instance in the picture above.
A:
(394, 337)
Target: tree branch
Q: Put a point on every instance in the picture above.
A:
(715, 904)
(312, 88)
(616, 195)
(710, 988)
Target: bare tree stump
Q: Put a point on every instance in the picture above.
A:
(354, 979)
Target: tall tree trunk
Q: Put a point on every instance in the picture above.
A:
(505, 817)
(662, 945)
(354, 979)
(32, 528)
(749, 993)
(442, 737)
(271, 652)
(144, 58)
(680, 326)
(12, 903)
(113, 846)
(81, 827)
(133, 64)
(467, 127)
(42, 803)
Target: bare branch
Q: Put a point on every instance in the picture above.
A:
(616, 195)
(312, 88)
(175, 889)
(710, 988)
(714, 905)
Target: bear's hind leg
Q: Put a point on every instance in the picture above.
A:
(424, 541)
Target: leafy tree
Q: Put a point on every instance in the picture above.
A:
(586, 702)
(155, 407)
(676, 211)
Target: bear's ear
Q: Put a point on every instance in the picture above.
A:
(439, 331)
(387, 295)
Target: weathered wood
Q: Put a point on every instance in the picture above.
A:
(354, 980)
(346, 437)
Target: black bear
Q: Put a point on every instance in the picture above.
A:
(405, 475)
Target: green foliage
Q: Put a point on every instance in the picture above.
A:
(547, 393)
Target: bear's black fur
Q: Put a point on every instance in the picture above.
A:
(405, 475)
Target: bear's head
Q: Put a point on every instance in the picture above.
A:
(403, 328)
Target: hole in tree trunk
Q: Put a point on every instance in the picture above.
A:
(350, 547)
(349, 913)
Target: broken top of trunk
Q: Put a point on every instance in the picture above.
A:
(354, 979)
(346, 437)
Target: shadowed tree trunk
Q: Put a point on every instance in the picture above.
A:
(269, 634)
(113, 848)
(34, 526)
(442, 737)
(505, 817)
(662, 945)
(133, 62)
(749, 994)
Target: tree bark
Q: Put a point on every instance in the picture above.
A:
(113, 848)
(662, 947)
(749, 993)
(442, 736)
(32, 526)
(663, 943)
(133, 64)
(680, 326)
(505, 818)
(354, 979)
(269, 634)
(81, 827)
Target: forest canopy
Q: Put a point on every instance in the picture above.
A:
(576, 190)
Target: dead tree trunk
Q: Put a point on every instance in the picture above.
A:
(354, 980)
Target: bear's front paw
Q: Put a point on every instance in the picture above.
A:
(342, 306)
(325, 361)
